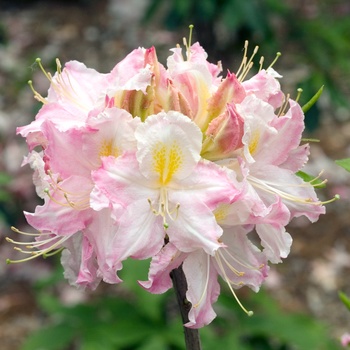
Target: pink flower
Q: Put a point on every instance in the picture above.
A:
(239, 263)
(196, 79)
(266, 87)
(74, 92)
(345, 340)
(179, 165)
(63, 179)
(164, 189)
(272, 173)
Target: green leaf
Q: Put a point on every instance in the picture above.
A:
(5, 178)
(313, 100)
(344, 163)
(57, 337)
(316, 182)
(344, 299)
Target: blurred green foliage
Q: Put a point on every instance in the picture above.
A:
(345, 299)
(344, 163)
(135, 319)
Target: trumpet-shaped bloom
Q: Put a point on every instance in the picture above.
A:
(179, 165)
(165, 189)
(74, 93)
(238, 262)
(271, 155)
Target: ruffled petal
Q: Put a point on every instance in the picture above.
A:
(168, 146)
(194, 227)
(67, 209)
(101, 234)
(168, 259)
(240, 262)
(78, 261)
(203, 288)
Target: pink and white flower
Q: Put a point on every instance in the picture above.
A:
(177, 164)
(165, 190)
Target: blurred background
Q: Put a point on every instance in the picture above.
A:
(299, 307)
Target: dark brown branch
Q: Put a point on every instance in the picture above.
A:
(192, 339)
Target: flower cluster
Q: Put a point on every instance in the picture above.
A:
(177, 164)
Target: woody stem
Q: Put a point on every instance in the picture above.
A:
(192, 338)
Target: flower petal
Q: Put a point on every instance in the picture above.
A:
(203, 288)
(168, 259)
(168, 146)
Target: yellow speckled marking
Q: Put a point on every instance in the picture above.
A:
(167, 160)
(108, 149)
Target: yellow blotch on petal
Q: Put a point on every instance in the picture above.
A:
(167, 160)
(221, 212)
(253, 144)
(107, 148)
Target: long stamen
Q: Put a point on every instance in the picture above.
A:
(238, 261)
(81, 204)
(47, 75)
(189, 43)
(244, 60)
(278, 55)
(163, 208)
(265, 185)
(300, 91)
(37, 96)
(205, 285)
(59, 84)
(246, 64)
(51, 250)
(284, 106)
(14, 229)
(228, 282)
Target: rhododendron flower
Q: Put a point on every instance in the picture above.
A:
(178, 164)
(166, 187)
(345, 340)
(74, 93)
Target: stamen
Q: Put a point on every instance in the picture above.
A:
(81, 204)
(45, 252)
(14, 229)
(59, 84)
(37, 96)
(278, 55)
(261, 62)
(265, 185)
(242, 263)
(246, 64)
(284, 106)
(205, 285)
(163, 208)
(246, 43)
(47, 75)
(310, 140)
(49, 254)
(228, 282)
(335, 198)
(300, 91)
(189, 43)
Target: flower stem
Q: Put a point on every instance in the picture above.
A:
(192, 339)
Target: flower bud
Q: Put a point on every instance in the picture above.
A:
(224, 134)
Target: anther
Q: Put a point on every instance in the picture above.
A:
(47, 75)
(36, 94)
(261, 62)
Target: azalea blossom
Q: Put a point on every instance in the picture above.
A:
(345, 340)
(165, 190)
(180, 164)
